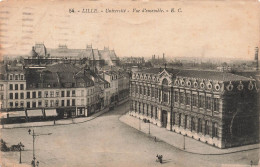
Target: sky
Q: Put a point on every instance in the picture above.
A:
(203, 29)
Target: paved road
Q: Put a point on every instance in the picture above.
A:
(105, 141)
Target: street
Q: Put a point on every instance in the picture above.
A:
(105, 141)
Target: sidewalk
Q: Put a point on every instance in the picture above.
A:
(57, 122)
(177, 140)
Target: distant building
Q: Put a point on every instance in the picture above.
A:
(217, 108)
(224, 68)
(40, 55)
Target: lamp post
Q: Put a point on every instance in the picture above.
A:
(34, 136)
(184, 142)
(20, 145)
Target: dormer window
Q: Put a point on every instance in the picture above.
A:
(16, 77)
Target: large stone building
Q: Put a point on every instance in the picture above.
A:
(217, 108)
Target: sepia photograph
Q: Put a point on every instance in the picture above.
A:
(129, 83)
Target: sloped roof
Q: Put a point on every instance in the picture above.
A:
(211, 75)
(62, 67)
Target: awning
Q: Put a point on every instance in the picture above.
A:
(16, 114)
(34, 113)
(49, 113)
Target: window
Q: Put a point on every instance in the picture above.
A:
(16, 95)
(11, 77)
(11, 104)
(62, 103)
(21, 104)
(73, 93)
(11, 87)
(152, 92)
(16, 104)
(192, 124)
(34, 104)
(1, 87)
(136, 89)
(51, 93)
(185, 121)
(187, 99)
(68, 93)
(28, 95)
(73, 102)
(165, 97)
(181, 97)
(215, 130)
(206, 127)
(33, 94)
(140, 89)
(16, 86)
(176, 97)
(21, 86)
(57, 93)
(62, 93)
(144, 90)
(216, 104)
(201, 101)
(199, 126)
(173, 118)
(16, 77)
(194, 100)
(11, 96)
(46, 103)
(39, 94)
(46, 94)
(156, 93)
(82, 92)
(28, 105)
(52, 103)
(208, 102)
(57, 102)
(21, 77)
(179, 119)
(148, 91)
(21, 95)
(68, 102)
(39, 103)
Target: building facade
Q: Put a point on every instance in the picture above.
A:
(64, 88)
(217, 108)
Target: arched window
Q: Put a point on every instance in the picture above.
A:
(165, 82)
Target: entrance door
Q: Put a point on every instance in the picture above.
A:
(164, 118)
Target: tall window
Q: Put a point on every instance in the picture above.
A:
(185, 121)
(192, 124)
(176, 96)
(173, 118)
(148, 91)
(28, 95)
(194, 100)
(201, 101)
(187, 99)
(11, 87)
(181, 97)
(216, 104)
(57, 103)
(199, 126)
(46, 103)
(11, 96)
(136, 89)
(16, 86)
(73, 102)
(62, 93)
(39, 103)
(206, 127)
(140, 89)
(73, 93)
(16, 95)
(46, 94)
(57, 93)
(152, 92)
(215, 129)
(33, 94)
(144, 90)
(21, 86)
(208, 102)
(52, 93)
(62, 103)
(39, 94)
(165, 97)
(179, 119)
(68, 93)
(68, 102)
(21, 96)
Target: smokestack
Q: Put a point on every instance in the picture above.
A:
(256, 58)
